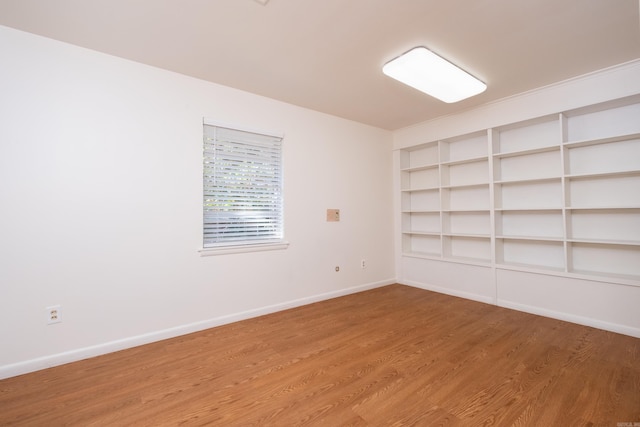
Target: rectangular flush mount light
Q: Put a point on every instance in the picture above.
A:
(424, 70)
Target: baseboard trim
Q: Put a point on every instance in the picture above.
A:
(572, 318)
(75, 355)
(449, 291)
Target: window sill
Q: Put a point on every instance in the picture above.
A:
(225, 250)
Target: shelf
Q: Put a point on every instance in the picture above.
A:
(527, 152)
(471, 223)
(468, 235)
(595, 208)
(528, 180)
(604, 258)
(544, 194)
(603, 121)
(541, 225)
(620, 189)
(467, 198)
(471, 246)
(533, 209)
(476, 185)
(632, 243)
(418, 157)
(415, 190)
(465, 174)
(422, 233)
(604, 225)
(464, 161)
(422, 243)
(604, 174)
(421, 168)
(599, 141)
(540, 165)
(534, 253)
(466, 210)
(534, 238)
(425, 224)
(539, 133)
(464, 149)
(422, 211)
(423, 255)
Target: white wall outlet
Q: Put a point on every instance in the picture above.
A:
(54, 314)
(363, 263)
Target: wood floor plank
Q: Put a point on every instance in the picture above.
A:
(391, 356)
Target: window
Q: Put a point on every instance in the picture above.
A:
(242, 189)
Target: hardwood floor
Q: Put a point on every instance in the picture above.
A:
(392, 356)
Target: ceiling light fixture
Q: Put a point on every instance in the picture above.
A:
(429, 73)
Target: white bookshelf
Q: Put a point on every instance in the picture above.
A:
(557, 194)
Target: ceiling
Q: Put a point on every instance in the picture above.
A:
(327, 55)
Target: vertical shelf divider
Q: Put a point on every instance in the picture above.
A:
(491, 135)
(566, 220)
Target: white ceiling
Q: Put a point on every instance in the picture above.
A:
(327, 54)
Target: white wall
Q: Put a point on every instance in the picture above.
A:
(100, 195)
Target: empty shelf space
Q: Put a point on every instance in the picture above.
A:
(603, 140)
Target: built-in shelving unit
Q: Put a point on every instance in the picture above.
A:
(558, 194)
(446, 191)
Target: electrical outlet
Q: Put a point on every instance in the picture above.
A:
(363, 263)
(54, 314)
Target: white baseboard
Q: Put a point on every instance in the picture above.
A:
(448, 291)
(129, 342)
(567, 317)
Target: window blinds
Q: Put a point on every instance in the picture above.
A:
(242, 187)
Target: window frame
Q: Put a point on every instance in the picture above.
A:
(242, 245)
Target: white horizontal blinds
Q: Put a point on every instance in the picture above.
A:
(242, 187)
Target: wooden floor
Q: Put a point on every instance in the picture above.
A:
(393, 356)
